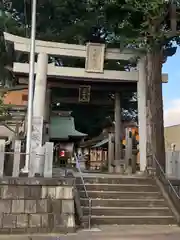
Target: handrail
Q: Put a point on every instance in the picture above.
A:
(85, 189)
(163, 172)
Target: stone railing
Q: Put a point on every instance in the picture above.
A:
(173, 164)
(11, 162)
(37, 205)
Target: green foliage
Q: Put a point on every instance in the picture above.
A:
(3, 110)
(8, 22)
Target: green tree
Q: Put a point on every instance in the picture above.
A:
(10, 22)
(69, 22)
(152, 28)
(4, 113)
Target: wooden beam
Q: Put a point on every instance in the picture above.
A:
(95, 87)
(74, 100)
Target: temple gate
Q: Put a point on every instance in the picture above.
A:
(95, 55)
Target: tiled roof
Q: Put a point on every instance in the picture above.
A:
(63, 128)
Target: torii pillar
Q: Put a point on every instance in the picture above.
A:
(141, 92)
(117, 118)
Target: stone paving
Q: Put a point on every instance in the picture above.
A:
(110, 233)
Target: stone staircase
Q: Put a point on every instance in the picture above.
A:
(124, 200)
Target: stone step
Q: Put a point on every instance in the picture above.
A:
(132, 220)
(124, 202)
(121, 195)
(115, 180)
(119, 187)
(128, 211)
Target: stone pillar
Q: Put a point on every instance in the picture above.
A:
(117, 118)
(141, 93)
(2, 157)
(110, 153)
(39, 105)
(47, 105)
(17, 158)
(40, 86)
(128, 147)
(47, 111)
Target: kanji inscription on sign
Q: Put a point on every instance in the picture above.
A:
(95, 58)
(84, 94)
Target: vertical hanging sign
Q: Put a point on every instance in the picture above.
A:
(95, 57)
(84, 94)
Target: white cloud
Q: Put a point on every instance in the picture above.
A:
(172, 113)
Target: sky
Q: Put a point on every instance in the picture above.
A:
(171, 90)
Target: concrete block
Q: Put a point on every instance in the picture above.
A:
(68, 192)
(119, 169)
(51, 221)
(32, 192)
(30, 206)
(128, 170)
(7, 192)
(44, 192)
(48, 192)
(51, 191)
(12, 192)
(5, 206)
(22, 220)
(17, 206)
(18, 231)
(68, 206)
(41, 206)
(9, 221)
(111, 169)
(34, 220)
(58, 220)
(35, 192)
(20, 192)
(54, 206)
(70, 221)
(1, 219)
(59, 192)
(45, 220)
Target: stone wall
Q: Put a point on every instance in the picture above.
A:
(36, 205)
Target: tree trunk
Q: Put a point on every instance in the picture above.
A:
(155, 123)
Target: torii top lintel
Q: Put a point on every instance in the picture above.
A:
(94, 53)
(64, 49)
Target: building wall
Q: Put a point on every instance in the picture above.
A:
(172, 136)
(40, 205)
(18, 97)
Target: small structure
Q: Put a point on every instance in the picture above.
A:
(172, 136)
(101, 149)
(65, 137)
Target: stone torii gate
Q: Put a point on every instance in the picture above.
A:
(94, 55)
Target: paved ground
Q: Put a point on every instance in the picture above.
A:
(111, 233)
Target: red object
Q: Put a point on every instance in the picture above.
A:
(62, 153)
